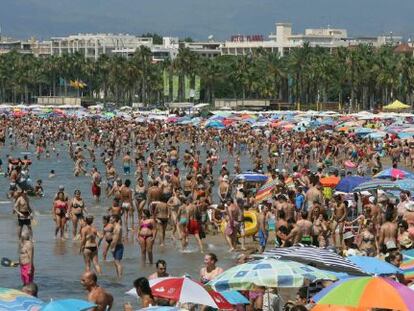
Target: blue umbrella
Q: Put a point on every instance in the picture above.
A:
(234, 297)
(251, 177)
(394, 173)
(215, 124)
(68, 305)
(14, 300)
(405, 135)
(376, 184)
(347, 184)
(374, 265)
(406, 184)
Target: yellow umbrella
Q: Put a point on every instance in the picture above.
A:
(396, 105)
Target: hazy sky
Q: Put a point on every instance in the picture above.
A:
(201, 18)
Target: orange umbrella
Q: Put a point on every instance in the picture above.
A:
(343, 129)
(330, 181)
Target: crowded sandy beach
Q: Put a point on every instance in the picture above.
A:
(237, 210)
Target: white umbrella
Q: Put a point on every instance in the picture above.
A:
(183, 290)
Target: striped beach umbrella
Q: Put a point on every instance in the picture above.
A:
(377, 184)
(265, 192)
(317, 257)
(394, 173)
(366, 293)
(11, 299)
(268, 272)
(407, 266)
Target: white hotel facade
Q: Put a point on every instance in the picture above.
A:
(280, 41)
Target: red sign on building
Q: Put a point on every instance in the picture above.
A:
(247, 38)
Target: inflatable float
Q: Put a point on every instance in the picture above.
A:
(251, 226)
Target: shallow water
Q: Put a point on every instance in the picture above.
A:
(58, 265)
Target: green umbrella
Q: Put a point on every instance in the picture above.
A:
(268, 272)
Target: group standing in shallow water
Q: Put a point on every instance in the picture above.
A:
(177, 182)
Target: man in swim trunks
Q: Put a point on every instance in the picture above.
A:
(263, 228)
(161, 213)
(117, 247)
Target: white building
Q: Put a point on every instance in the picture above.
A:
(94, 45)
(284, 39)
(170, 47)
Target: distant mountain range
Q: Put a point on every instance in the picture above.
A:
(201, 18)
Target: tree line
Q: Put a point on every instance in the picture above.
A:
(362, 75)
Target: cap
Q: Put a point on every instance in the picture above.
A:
(226, 178)
(61, 187)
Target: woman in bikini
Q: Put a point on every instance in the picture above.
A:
(107, 235)
(147, 231)
(182, 216)
(89, 245)
(60, 209)
(77, 210)
(140, 196)
(174, 204)
(368, 243)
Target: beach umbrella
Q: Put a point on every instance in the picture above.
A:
(394, 173)
(265, 192)
(330, 181)
(348, 183)
(318, 257)
(406, 184)
(185, 290)
(363, 130)
(407, 266)
(234, 297)
(376, 184)
(68, 305)
(215, 124)
(374, 265)
(14, 300)
(251, 177)
(267, 272)
(376, 135)
(366, 293)
(405, 135)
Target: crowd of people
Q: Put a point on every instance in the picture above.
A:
(179, 179)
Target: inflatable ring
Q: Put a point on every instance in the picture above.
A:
(350, 164)
(251, 226)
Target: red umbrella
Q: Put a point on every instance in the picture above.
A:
(185, 290)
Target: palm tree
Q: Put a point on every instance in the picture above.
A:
(185, 64)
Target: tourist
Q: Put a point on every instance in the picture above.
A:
(117, 247)
(24, 212)
(161, 272)
(60, 214)
(146, 233)
(210, 270)
(26, 258)
(77, 212)
(89, 245)
(96, 294)
(30, 289)
(144, 292)
(107, 234)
